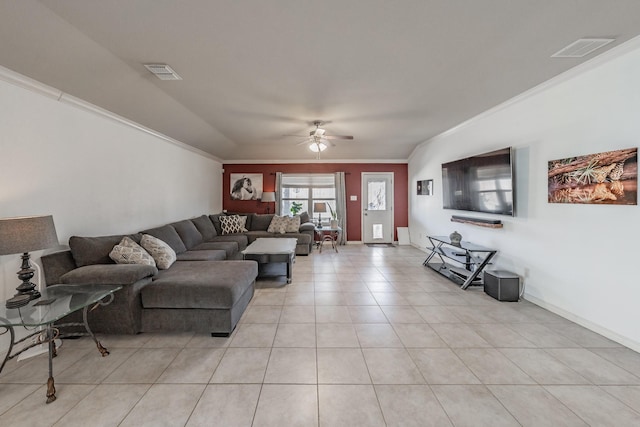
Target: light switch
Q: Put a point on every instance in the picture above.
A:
(354, 198)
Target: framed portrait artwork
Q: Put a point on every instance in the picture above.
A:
(246, 186)
(425, 187)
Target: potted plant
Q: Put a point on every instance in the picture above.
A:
(295, 208)
(334, 217)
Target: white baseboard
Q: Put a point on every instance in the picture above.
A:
(633, 345)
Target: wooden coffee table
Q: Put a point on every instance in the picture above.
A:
(267, 250)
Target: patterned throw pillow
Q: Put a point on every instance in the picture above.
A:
(129, 252)
(159, 250)
(292, 224)
(233, 224)
(243, 223)
(278, 225)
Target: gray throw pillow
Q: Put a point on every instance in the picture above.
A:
(129, 252)
(278, 225)
(159, 250)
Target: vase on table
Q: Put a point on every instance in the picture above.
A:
(334, 223)
(455, 238)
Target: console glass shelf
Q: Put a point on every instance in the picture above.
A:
(463, 263)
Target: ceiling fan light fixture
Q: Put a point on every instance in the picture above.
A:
(317, 146)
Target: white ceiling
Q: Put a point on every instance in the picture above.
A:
(391, 73)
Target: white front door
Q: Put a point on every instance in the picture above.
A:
(377, 207)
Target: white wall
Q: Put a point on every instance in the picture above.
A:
(580, 261)
(96, 175)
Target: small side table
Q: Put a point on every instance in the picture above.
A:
(328, 234)
(39, 319)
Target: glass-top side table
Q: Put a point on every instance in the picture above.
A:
(56, 302)
(328, 234)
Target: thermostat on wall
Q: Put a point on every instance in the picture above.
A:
(353, 198)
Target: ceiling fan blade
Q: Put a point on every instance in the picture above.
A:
(338, 136)
(297, 136)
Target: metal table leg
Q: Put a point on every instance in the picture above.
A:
(103, 351)
(51, 388)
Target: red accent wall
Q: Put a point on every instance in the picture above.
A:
(353, 182)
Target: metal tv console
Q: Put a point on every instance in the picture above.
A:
(470, 260)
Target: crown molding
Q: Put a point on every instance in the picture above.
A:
(313, 161)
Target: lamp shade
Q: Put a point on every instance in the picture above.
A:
(26, 234)
(320, 207)
(268, 196)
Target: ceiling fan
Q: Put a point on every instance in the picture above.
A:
(318, 139)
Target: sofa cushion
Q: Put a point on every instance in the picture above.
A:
(203, 255)
(260, 222)
(169, 235)
(304, 217)
(205, 227)
(230, 248)
(232, 224)
(113, 274)
(278, 225)
(188, 233)
(200, 284)
(129, 252)
(159, 250)
(241, 239)
(215, 219)
(95, 250)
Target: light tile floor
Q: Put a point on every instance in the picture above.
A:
(365, 337)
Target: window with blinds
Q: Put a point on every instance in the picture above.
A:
(308, 189)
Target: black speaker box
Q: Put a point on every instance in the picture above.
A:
(502, 285)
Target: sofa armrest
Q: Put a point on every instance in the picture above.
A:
(307, 226)
(108, 274)
(55, 265)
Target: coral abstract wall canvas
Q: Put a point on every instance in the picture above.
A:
(608, 178)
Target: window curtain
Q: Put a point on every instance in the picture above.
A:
(341, 206)
(278, 192)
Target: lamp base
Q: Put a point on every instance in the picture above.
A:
(17, 301)
(26, 274)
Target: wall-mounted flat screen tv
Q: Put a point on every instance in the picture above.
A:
(482, 183)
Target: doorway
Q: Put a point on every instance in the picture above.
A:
(377, 207)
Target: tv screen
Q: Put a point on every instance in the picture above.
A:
(482, 183)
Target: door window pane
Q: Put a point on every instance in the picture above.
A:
(376, 192)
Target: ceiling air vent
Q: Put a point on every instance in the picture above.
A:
(581, 47)
(163, 71)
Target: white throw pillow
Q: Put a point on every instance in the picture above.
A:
(292, 224)
(159, 250)
(278, 225)
(233, 224)
(129, 252)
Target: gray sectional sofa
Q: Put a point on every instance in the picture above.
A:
(206, 290)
